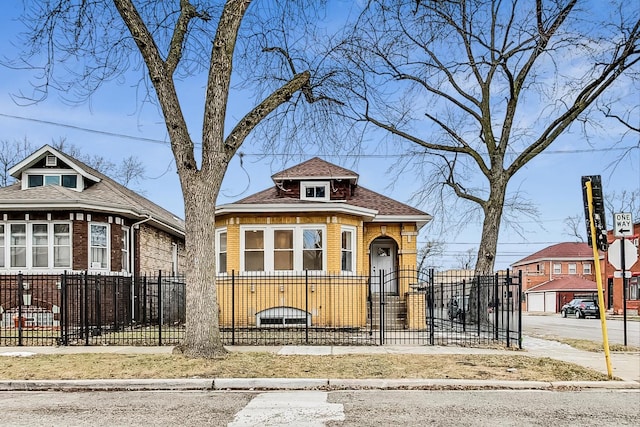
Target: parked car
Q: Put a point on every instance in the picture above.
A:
(581, 308)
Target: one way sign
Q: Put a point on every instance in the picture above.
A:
(623, 225)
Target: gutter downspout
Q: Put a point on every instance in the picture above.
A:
(132, 242)
(132, 257)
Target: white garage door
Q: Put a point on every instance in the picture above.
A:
(550, 302)
(535, 302)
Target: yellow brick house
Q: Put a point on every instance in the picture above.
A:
(322, 239)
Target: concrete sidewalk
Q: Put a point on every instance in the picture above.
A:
(625, 366)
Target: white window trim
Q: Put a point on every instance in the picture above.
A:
(52, 172)
(220, 231)
(572, 268)
(126, 250)
(298, 231)
(586, 268)
(29, 246)
(108, 267)
(353, 231)
(559, 265)
(306, 184)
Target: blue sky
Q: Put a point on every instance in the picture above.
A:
(551, 182)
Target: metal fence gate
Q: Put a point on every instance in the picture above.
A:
(448, 308)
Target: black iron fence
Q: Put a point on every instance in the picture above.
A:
(83, 309)
(428, 308)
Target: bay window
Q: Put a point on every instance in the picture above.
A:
(35, 245)
(281, 248)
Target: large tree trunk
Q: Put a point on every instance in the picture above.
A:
(487, 252)
(202, 337)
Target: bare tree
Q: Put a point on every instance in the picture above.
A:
(574, 226)
(99, 41)
(430, 249)
(128, 172)
(11, 152)
(467, 259)
(483, 87)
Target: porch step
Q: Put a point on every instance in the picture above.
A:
(395, 311)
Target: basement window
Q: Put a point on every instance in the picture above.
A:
(282, 317)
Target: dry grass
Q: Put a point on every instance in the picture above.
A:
(268, 365)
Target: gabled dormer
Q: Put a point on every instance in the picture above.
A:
(316, 180)
(48, 166)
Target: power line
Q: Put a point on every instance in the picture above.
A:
(164, 142)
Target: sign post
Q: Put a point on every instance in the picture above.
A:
(628, 255)
(595, 223)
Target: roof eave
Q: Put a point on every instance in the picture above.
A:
(233, 208)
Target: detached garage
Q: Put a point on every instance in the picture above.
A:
(550, 296)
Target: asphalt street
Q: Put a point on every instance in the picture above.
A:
(318, 408)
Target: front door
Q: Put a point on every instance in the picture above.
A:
(383, 256)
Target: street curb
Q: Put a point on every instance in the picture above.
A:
(253, 384)
(106, 384)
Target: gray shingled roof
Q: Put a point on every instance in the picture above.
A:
(106, 195)
(315, 168)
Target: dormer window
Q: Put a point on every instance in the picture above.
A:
(39, 180)
(314, 190)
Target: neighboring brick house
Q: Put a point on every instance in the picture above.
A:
(614, 284)
(62, 215)
(557, 274)
(317, 220)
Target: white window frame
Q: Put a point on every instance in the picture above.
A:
(126, 250)
(91, 265)
(557, 268)
(44, 173)
(29, 246)
(352, 230)
(219, 233)
(586, 268)
(304, 185)
(269, 232)
(3, 250)
(572, 268)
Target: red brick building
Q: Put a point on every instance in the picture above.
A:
(614, 285)
(557, 274)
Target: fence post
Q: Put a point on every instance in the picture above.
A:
(98, 297)
(85, 317)
(306, 306)
(431, 313)
(496, 307)
(381, 291)
(479, 284)
(507, 283)
(20, 302)
(464, 311)
(64, 326)
(160, 307)
(520, 309)
(233, 307)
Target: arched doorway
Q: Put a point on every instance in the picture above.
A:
(383, 256)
